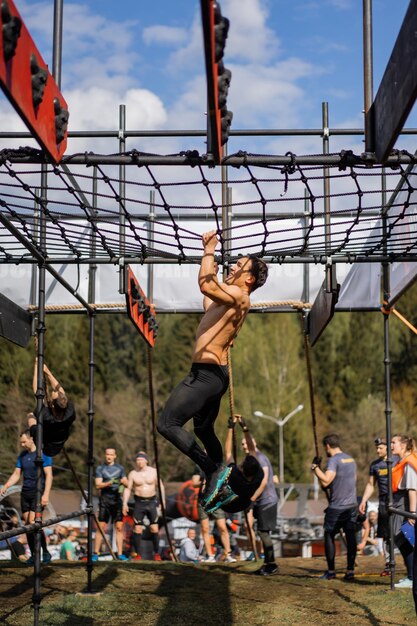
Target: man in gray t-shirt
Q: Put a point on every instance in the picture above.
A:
(339, 481)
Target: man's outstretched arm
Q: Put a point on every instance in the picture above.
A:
(207, 278)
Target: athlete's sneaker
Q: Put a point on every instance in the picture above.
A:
(349, 576)
(404, 583)
(328, 576)
(157, 557)
(224, 496)
(47, 558)
(210, 559)
(214, 483)
(137, 558)
(122, 557)
(267, 569)
(230, 558)
(94, 558)
(30, 561)
(386, 571)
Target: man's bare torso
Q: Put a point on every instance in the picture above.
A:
(144, 482)
(216, 331)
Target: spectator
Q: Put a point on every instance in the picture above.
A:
(370, 543)
(188, 550)
(143, 481)
(264, 509)
(68, 546)
(26, 467)
(110, 476)
(339, 478)
(378, 475)
(404, 486)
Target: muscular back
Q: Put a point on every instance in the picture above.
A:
(217, 329)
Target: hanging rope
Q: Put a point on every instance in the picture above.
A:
(310, 383)
(155, 449)
(234, 446)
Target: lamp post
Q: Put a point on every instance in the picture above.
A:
(280, 424)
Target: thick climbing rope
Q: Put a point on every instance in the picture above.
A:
(310, 383)
(234, 446)
(156, 455)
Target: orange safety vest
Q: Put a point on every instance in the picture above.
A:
(399, 469)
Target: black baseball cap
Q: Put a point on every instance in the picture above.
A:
(380, 442)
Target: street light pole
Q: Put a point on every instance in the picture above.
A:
(280, 424)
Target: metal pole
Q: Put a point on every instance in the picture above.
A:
(326, 187)
(90, 413)
(122, 194)
(57, 41)
(151, 228)
(40, 394)
(368, 74)
(281, 461)
(386, 278)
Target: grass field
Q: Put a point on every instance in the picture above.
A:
(168, 594)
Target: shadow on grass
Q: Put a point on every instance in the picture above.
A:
(183, 590)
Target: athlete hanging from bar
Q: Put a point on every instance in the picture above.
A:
(58, 413)
(198, 396)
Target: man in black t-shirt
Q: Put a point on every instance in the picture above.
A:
(378, 475)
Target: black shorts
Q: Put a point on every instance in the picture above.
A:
(145, 507)
(335, 519)
(110, 508)
(383, 521)
(28, 501)
(266, 516)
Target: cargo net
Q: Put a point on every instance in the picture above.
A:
(156, 213)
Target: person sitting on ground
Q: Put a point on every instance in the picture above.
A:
(245, 478)
(26, 467)
(143, 481)
(67, 551)
(371, 543)
(188, 550)
(110, 476)
(57, 413)
(198, 396)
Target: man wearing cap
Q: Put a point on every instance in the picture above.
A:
(109, 478)
(378, 475)
(143, 481)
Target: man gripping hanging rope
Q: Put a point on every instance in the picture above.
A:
(198, 396)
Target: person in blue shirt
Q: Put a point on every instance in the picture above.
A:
(26, 468)
(339, 479)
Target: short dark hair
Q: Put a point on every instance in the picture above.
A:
(27, 433)
(250, 466)
(332, 440)
(259, 270)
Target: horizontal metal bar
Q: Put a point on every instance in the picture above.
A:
(254, 132)
(311, 259)
(30, 528)
(402, 512)
(206, 160)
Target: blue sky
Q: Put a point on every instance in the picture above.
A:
(286, 56)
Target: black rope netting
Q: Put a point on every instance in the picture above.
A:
(276, 211)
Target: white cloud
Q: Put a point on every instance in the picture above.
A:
(250, 39)
(97, 109)
(161, 34)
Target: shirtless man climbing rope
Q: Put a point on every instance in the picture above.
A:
(198, 396)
